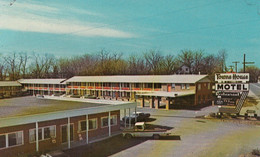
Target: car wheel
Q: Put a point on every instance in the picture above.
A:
(128, 136)
(156, 136)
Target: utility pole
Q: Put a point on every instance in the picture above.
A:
(244, 63)
(236, 64)
(231, 68)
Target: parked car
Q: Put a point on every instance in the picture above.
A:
(140, 116)
(140, 130)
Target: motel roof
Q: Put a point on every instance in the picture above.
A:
(9, 83)
(139, 78)
(42, 81)
(25, 110)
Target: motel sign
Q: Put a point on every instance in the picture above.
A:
(230, 86)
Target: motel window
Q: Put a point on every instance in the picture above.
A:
(104, 121)
(187, 86)
(92, 124)
(13, 139)
(43, 133)
(199, 86)
(2, 141)
(182, 86)
(173, 85)
(113, 120)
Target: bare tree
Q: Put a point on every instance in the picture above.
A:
(152, 60)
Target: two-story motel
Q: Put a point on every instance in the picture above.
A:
(44, 86)
(29, 124)
(172, 89)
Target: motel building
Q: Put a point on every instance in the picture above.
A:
(44, 86)
(10, 88)
(154, 89)
(30, 124)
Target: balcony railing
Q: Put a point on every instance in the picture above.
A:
(125, 88)
(116, 88)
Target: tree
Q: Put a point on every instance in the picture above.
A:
(152, 60)
(186, 58)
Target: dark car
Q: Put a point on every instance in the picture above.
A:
(140, 117)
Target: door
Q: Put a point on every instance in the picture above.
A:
(64, 133)
(169, 88)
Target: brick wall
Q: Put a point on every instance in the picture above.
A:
(47, 144)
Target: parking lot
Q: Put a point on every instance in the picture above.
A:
(192, 137)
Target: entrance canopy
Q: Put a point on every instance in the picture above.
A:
(168, 94)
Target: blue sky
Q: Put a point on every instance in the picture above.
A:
(67, 28)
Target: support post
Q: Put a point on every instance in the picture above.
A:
(129, 119)
(135, 115)
(125, 116)
(156, 103)
(109, 124)
(142, 101)
(87, 129)
(152, 102)
(68, 132)
(37, 136)
(167, 103)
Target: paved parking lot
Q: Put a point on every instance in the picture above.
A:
(192, 137)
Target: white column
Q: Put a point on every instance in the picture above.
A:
(37, 136)
(33, 89)
(109, 123)
(87, 129)
(48, 89)
(68, 132)
(125, 116)
(6, 141)
(135, 115)
(129, 119)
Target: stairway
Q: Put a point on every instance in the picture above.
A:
(237, 109)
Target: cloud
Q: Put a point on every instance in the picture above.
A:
(29, 17)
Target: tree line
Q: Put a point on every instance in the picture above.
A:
(21, 65)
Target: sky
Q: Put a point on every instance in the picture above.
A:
(69, 28)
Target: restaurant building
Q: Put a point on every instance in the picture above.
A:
(169, 89)
(40, 125)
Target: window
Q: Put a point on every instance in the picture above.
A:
(82, 126)
(92, 124)
(187, 86)
(43, 133)
(173, 85)
(182, 86)
(2, 141)
(13, 139)
(208, 85)
(113, 121)
(199, 86)
(104, 121)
